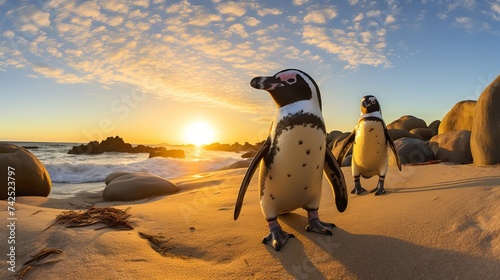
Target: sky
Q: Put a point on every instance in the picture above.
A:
(146, 70)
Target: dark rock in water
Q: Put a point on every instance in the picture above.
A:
(28, 175)
(396, 134)
(460, 117)
(452, 146)
(168, 154)
(411, 150)
(249, 154)
(407, 123)
(425, 133)
(485, 134)
(126, 186)
(435, 126)
(236, 147)
(239, 164)
(111, 144)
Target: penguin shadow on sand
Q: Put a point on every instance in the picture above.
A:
(369, 256)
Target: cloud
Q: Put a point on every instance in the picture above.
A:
(232, 8)
(495, 7)
(251, 21)
(89, 9)
(239, 29)
(268, 11)
(115, 6)
(390, 19)
(359, 17)
(299, 2)
(464, 22)
(320, 16)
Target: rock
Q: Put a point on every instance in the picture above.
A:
(239, 164)
(111, 144)
(425, 133)
(411, 150)
(249, 154)
(337, 143)
(236, 147)
(435, 125)
(396, 134)
(330, 137)
(347, 161)
(459, 117)
(168, 154)
(407, 123)
(452, 146)
(30, 178)
(485, 134)
(126, 186)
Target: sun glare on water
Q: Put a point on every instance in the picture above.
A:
(199, 133)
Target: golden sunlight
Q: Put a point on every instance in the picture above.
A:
(199, 133)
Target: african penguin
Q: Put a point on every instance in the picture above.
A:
(370, 142)
(294, 156)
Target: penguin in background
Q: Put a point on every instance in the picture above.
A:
(370, 142)
(294, 157)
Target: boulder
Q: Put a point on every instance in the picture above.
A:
(425, 133)
(411, 150)
(452, 146)
(485, 134)
(332, 135)
(29, 177)
(127, 186)
(407, 123)
(168, 154)
(435, 126)
(459, 117)
(396, 134)
(239, 164)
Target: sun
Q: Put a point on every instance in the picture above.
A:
(199, 133)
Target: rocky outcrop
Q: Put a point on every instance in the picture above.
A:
(111, 144)
(452, 146)
(425, 133)
(435, 126)
(485, 134)
(127, 186)
(459, 117)
(411, 150)
(407, 123)
(28, 175)
(236, 147)
(396, 134)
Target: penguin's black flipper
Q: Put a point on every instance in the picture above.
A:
(264, 150)
(393, 148)
(346, 146)
(336, 177)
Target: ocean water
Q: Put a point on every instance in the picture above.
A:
(77, 169)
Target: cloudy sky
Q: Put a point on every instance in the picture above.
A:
(76, 71)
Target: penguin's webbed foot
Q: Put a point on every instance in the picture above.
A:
(378, 191)
(277, 238)
(358, 190)
(315, 225)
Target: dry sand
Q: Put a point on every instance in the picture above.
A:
(436, 222)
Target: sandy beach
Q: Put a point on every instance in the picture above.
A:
(436, 221)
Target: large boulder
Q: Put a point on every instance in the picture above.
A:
(407, 123)
(112, 144)
(459, 117)
(425, 133)
(435, 126)
(452, 146)
(411, 150)
(126, 186)
(29, 177)
(396, 134)
(485, 135)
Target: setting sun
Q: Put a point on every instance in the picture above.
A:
(199, 133)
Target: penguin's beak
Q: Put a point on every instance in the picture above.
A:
(266, 83)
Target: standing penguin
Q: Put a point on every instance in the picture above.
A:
(293, 157)
(371, 142)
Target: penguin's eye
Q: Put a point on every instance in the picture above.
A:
(291, 81)
(373, 101)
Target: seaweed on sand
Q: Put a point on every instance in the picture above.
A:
(109, 216)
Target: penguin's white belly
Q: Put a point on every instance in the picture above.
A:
(294, 178)
(369, 154)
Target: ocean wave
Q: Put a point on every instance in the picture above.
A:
(83, 172)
